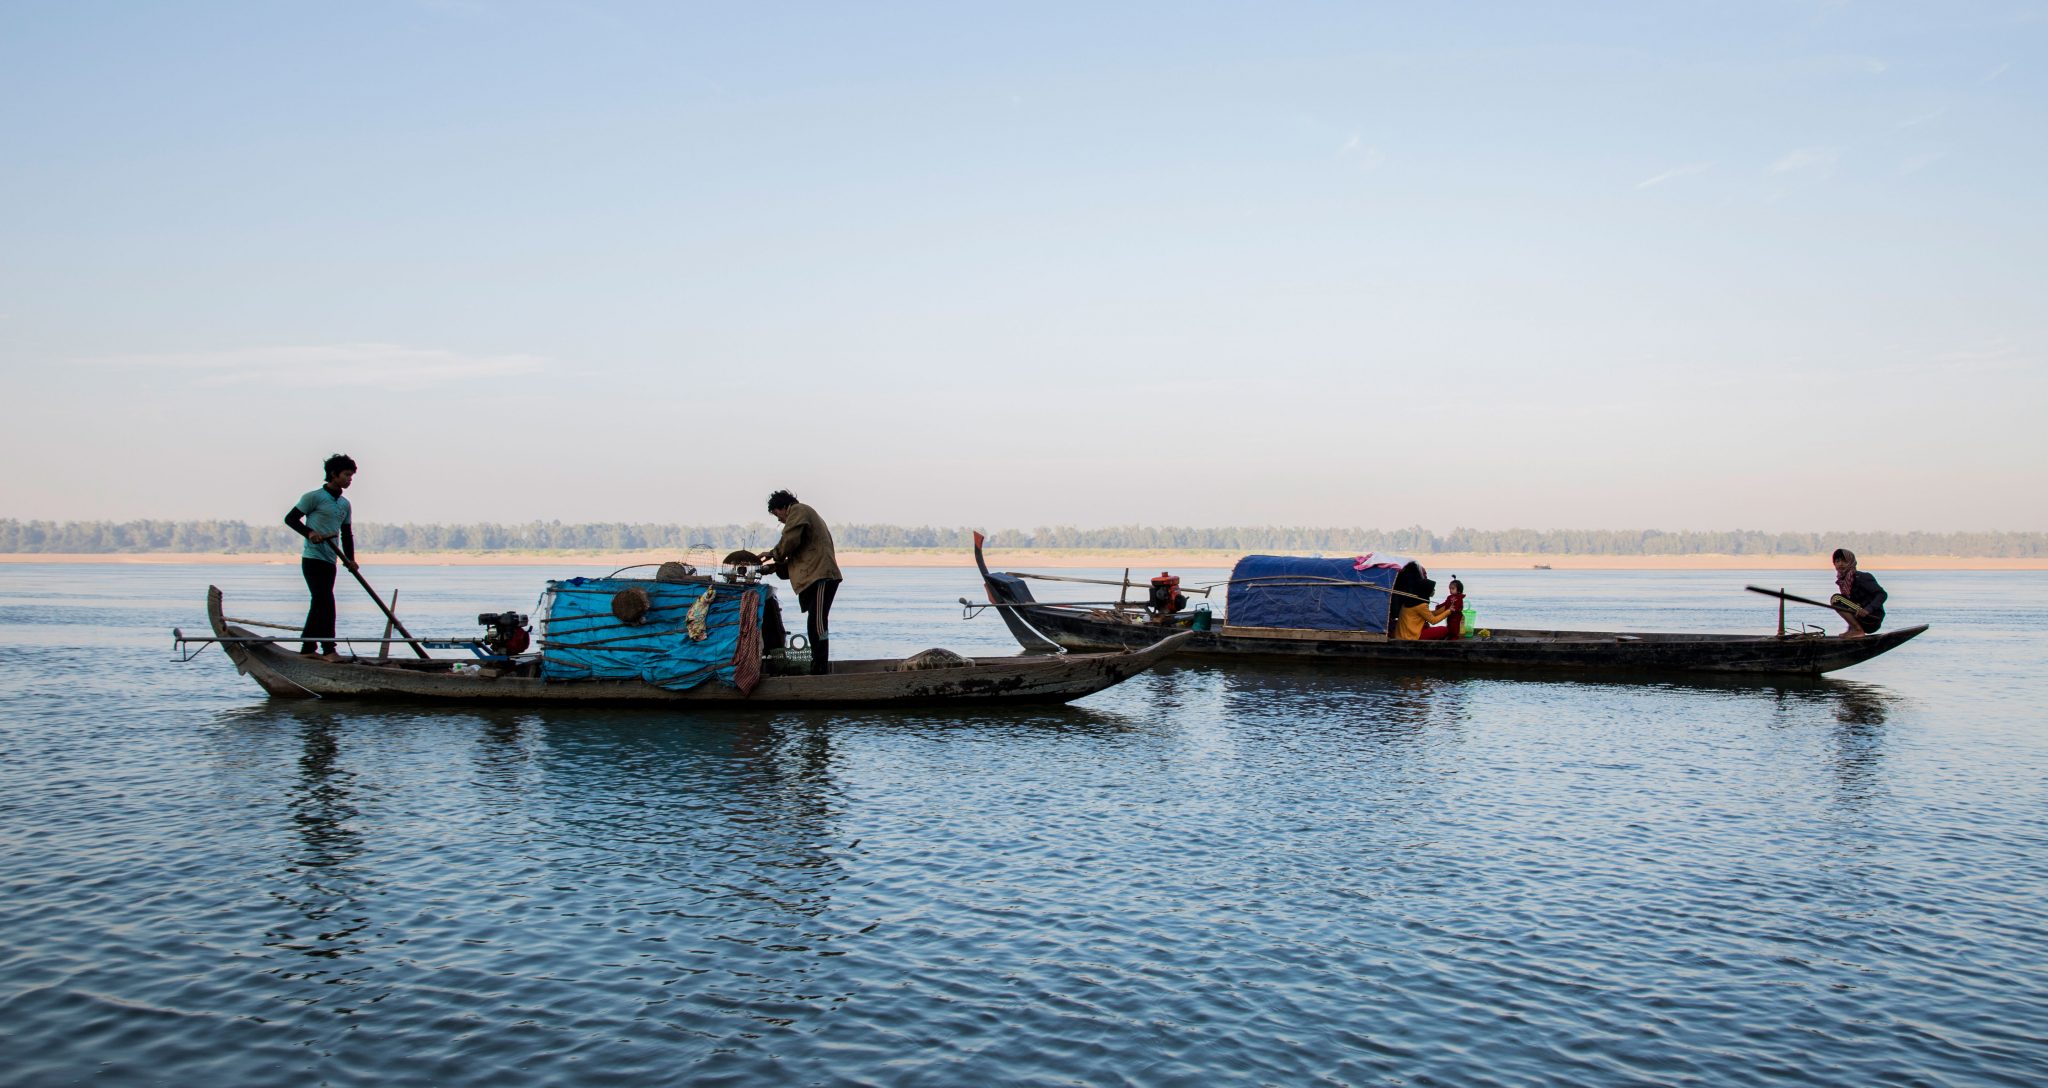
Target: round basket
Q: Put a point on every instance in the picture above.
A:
(631, 605)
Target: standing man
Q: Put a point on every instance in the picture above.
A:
(805, 556)
(322, 517)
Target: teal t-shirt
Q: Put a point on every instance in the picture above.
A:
(326, 512)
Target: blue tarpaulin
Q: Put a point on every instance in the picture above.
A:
(583, 640)
(1346, 594)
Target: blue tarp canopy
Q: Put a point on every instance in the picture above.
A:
(1346, 594)
(583, 640)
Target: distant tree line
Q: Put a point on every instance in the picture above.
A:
(117, 537)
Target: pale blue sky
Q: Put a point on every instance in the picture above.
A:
(1776, 265)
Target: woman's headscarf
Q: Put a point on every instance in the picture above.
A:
(1845, 580)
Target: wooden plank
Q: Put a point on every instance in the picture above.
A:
(384, 651)
(1229, 631)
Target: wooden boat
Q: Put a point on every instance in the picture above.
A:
(1090, 627)
(1029, 678)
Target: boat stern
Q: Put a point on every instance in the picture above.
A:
(1010, 596)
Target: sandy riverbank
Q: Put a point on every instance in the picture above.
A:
(1036, 560)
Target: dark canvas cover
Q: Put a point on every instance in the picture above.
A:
(1347, 594)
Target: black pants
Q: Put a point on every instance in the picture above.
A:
(320, 617)
(816, 601)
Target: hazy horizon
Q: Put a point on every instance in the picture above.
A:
(363, 518)
(17, 538)
(1767, 264)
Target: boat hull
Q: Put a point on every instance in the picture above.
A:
(1020, 679)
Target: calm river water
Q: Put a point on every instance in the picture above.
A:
(1205, 876)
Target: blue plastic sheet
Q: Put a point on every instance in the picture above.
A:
(583, 640)
(1346, 594)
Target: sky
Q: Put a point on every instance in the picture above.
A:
(1763, 264)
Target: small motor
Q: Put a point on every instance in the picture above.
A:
(507, 636)
(741, 566)
(1165, 598)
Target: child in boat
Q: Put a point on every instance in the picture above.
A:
(1452, 612)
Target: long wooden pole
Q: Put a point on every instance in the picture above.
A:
(334, 545)
(1784, 596)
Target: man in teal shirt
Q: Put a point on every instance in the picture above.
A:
(322, 517)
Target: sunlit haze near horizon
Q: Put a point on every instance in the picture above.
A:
(1768, 265)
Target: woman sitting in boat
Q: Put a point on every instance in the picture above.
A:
(1860, 601)
(1412, 590)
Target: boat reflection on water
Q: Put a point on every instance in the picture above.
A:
(1859, 736)
(323, 876)
(713, 848)
(1438, 709)
(1387, 704)
(330, 895)
(1856, 715)
(606, 840)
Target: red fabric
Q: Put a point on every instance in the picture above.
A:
(1434, 634)
(746, 657)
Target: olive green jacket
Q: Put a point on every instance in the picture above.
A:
(805, 551)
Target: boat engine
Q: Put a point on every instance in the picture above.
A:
(1165, 598)
(506, 635)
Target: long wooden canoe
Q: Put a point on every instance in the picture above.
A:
(1025, 678)
(1039, 625)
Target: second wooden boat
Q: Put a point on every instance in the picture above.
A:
(1096, 627)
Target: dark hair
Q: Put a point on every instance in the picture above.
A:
(1844, 555)
(338, 463)
(779, 499)
(1457, 586)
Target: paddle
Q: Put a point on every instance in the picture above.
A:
(1784, 596)
(361, 581)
